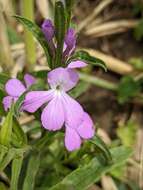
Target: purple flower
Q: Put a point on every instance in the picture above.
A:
(70, 38)
(48, 29)
(69, 42)
(15, 89)
(62, 109)
(49, 32)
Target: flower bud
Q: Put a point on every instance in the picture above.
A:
(70, 38)
(48, 29)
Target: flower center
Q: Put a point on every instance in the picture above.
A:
(58, 87)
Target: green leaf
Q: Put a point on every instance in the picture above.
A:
(3, 79)
(60, 24)
(138, 31)
(18, 104)
(137, 63)
(32, 169)
(40, 74)
(127, 133)
(21, 136)
(137, 8)
(84, 56)
(16, 168)
(69, 6)
(45, 140)
(3, 152)
(85, 176)
(11, 154)
(102, 148)
(38, 34)
(2, 94)
(3, 187)
(118, 172)
(13, 36)
(2, 112)
(127, 89)
(7, 159)
(6, 129)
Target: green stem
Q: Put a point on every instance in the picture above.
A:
(16, 168)
(98, 82)
(28, 12)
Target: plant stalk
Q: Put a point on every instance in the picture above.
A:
(6, 60)
(30, 47)
(98, 82)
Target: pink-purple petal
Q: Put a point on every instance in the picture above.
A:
(53, 115)
(77, 64)
(85, 129)
(73, 111)
(72, 139)
(35, 99)
(65, 78)
(29, 80)
(14, 87)
(7, 101)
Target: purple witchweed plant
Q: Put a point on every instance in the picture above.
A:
(59, 42)
(15, 88)
(62, 109)
(20, 142)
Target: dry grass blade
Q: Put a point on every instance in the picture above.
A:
(95, 22)
(112, 32)
(18, 46)
(7, 7)
(26, 119)
(102, 133)
(108, 183)
(112, 63)
(97, 10)
(5, 54)
(45, 8)
(94, 187)
(112, 27)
